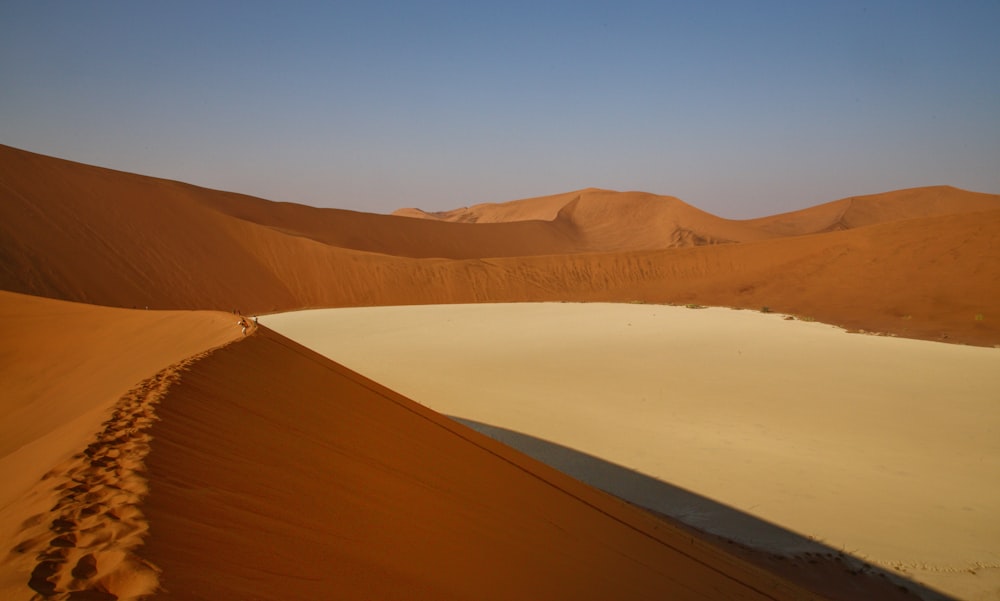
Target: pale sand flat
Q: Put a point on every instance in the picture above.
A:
(885, 448)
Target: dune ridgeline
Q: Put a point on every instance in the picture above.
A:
(149, 449)
(918, 263)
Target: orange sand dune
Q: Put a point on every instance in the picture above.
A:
(826, 434)
(539, 208)
(888, 278)
(860, 211)
(637, 220)
(46, 194)
(612, 221)
(140, 459)
(299, 479)
(398, 236)
(64, 367)
(919, 263)
(275, 473)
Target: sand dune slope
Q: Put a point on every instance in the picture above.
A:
(65, 368)
(920, 263)
(936, 278)
(637, 221)
(135, 459)
(834, 436)
(539, 208)
(132, 213)
(611, 221)
(277, 474)
(400, 236)
(861, 211)
(93, 235)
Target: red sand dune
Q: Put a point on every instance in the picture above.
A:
(335, 487)
(611, 221)
(919, 263)
(278, 474)
(861, 211)
(262, 470)
(65, 367)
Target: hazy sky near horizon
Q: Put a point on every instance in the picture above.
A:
(742, 109)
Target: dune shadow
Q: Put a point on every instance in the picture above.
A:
(690, 509)
(654, 495)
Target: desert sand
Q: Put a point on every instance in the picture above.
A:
(146, 445)
(65, 369)
(885, 448)
(151, 451)
(920, 263)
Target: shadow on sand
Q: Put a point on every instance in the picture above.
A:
(793, 555)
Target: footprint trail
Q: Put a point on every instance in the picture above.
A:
(84, 546)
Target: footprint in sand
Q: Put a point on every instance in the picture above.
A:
(84, 545)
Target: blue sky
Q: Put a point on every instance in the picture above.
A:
(740, 108)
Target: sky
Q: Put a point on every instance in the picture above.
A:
(743, 109)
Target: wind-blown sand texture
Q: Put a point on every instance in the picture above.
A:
(138, 452)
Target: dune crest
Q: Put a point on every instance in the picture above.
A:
(328, 484)
(538, 208)
(71, 444)
(874, 209)
(97, 522)
(800, 424)
(916, 263)
(611, 221)
(297, 477)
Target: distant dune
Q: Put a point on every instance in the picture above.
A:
(160, 449)
(611, 221)
(920, 263)
(861, 211)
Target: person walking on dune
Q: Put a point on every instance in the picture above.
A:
(243, 324)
